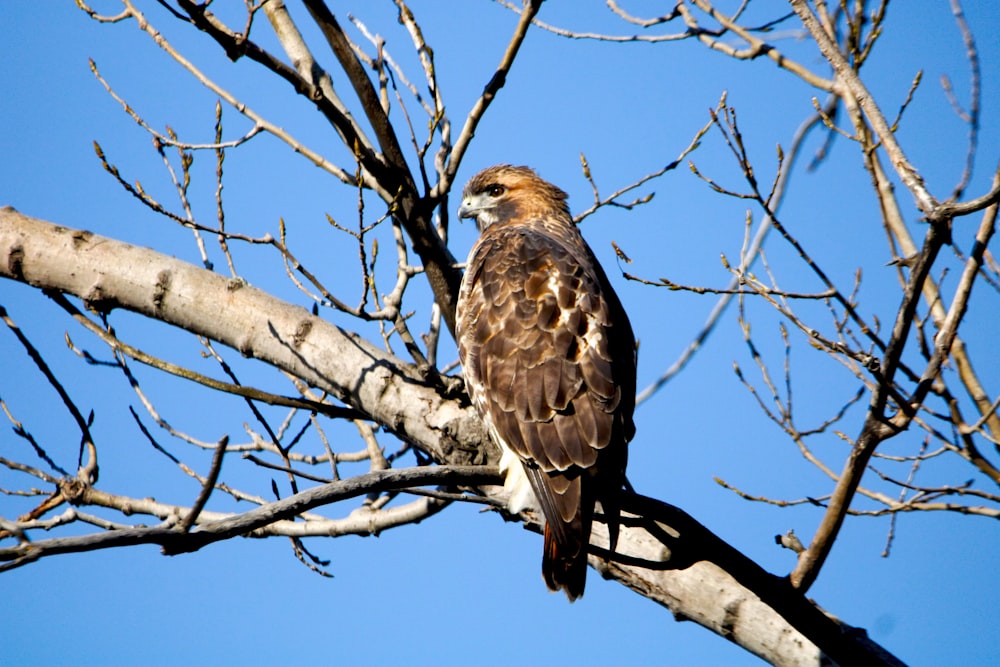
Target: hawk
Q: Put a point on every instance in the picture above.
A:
(549, 360)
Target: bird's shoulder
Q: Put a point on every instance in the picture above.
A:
(521, 247)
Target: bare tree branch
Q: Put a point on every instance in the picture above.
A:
(447, 177)
(257, 522)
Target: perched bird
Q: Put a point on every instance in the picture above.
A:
(549, 361)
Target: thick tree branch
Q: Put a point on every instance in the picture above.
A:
(675, 547)
(108, 274)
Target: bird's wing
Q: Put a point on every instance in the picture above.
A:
(537, 334)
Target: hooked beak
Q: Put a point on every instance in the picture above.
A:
(478, 207)
(467, 209)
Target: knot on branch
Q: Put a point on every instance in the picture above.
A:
(73, 490)
(465, 442)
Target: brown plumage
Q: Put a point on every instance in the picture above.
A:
(549, 361)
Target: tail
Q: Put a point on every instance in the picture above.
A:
(567, 502)
(564, 555)
(564, 566)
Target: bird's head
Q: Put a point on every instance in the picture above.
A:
(503, 193)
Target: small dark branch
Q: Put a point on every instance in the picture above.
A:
(286, 469)
(776, 418)
(22, 432)
(914, 467)
(612, 199)
(452, 496)
(837, 417)
(972, 117)
(644, 23)
(759, 290)
(86, 439)
(777, 502)
(140, 193)
(304, 556)
(571, 34)
(924, 492)
(152, 441)
(496, 82)
(782, 416)
(207, 487)
(718, 188)
(911, 506)
(292, 266)
(828, 116)
(170, 139)
(906, 103)
(238, 390)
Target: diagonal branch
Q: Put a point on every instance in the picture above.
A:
(849, 82)
(495, 83)
(391, 171)
(86, 438)
(206, 489)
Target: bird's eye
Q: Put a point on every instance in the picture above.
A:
(495, 190)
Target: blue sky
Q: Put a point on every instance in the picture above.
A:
(465, 587)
